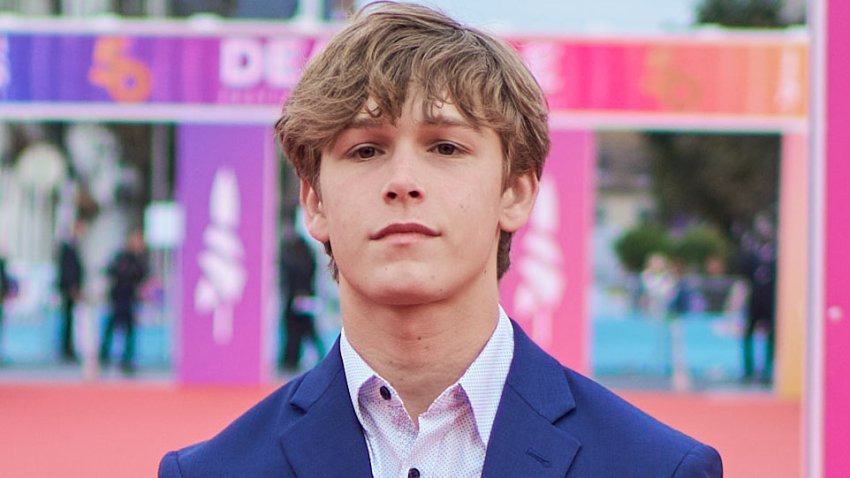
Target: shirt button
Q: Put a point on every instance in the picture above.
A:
(385, 394)
(413, 473)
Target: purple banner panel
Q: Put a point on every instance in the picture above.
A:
(226, 177)
(191, 70)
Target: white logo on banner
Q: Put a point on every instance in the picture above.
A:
(541, 266)
(251, 62)
(790, 92)
(222, 272)
(544, 60)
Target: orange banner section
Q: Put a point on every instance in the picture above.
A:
(793, 264)
(730, 76)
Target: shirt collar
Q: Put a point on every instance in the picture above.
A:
(483, 381)
(485, 378)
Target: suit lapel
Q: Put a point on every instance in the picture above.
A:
(524, 440)
(327, 442)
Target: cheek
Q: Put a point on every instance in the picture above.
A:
(478, 212)
(343, 218)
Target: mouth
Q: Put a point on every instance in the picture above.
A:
(404, 228)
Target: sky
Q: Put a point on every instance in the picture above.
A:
(572, 16)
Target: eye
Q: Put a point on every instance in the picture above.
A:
(365, 152)
(446, 149)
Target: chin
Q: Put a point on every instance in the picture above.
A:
(400, 288)
(405, 292)
(405, 297)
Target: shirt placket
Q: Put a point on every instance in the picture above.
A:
(432, 426)
(390, 418)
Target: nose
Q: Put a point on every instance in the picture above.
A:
(403, 184)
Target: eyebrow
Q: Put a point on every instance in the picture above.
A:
(369, 122)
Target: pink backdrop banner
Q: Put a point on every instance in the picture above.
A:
(226, 178)
(546, 289)
(168, 71)
(732, 76)
(836, 418)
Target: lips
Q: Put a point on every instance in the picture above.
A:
(404, 228)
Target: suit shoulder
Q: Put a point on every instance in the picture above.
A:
(595, 400)
(640, 440)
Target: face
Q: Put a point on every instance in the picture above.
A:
(136, 242)
(413, 208)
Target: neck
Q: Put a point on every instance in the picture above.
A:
(420, 349)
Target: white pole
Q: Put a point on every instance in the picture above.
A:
(813, 399)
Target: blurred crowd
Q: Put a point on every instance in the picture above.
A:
(668, 290)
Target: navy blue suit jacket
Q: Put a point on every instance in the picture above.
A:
(551, 422)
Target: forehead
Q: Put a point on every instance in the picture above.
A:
(416, 107)
(438, 112)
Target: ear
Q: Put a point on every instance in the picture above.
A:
(517, 201)
(314, 215)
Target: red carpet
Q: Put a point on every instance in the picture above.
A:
(122, 429)
(757, 435)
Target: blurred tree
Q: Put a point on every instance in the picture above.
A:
(700, 243)
(635, 245)
(724, 179)
(749, 13)
(721, 179)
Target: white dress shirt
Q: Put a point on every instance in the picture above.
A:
(453, 432)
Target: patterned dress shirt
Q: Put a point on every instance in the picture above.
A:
(453, 432)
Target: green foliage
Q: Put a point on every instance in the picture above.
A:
(635, 245)
(742, 13)
(696, 245)
(723, 179)
(700, 243)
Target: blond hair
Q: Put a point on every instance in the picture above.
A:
(390, 49)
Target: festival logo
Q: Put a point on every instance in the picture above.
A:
(260, 70)
(223, 274)
(668, 81)
(542, 281)
(126, 79)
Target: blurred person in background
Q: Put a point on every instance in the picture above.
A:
(127, 273)
(657, 284)
(758, 265)
(5, 292)
(70, 284)
(297, 274)
(715, 285)
(679, 306)
(419, 143)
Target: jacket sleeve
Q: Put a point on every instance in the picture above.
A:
(700, 462)
(169, 467)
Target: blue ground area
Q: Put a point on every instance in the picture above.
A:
(634, 350)
(628, 349)
(33, 342)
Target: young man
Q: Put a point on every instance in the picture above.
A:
(297, 278)
(420, 143)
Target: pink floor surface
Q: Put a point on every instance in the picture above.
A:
(122, 429)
